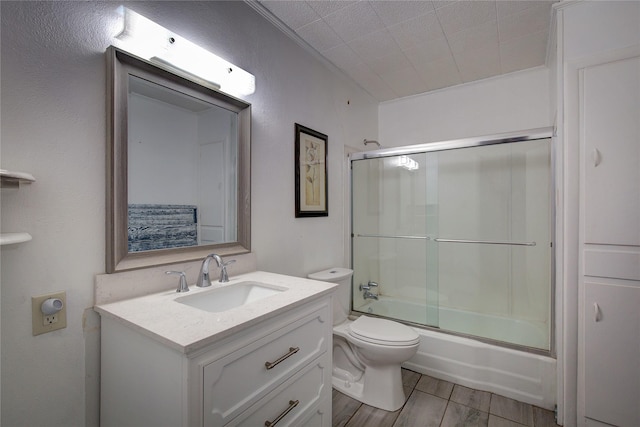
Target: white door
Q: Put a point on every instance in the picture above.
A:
(612, 353)
(611, 143)
(212, 197)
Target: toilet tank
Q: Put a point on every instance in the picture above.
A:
(342, 297)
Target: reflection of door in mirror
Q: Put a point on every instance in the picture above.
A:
(182, 169)
(211, 215)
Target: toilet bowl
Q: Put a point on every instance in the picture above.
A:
(368, 351)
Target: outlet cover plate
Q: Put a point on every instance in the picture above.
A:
(37, 316)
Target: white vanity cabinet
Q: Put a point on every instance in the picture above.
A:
(278, 370)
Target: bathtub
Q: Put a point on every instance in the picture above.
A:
(520, 375)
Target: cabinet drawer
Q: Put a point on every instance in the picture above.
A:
(237, 380)
(295, 401)
(617, 264)
(320, 416)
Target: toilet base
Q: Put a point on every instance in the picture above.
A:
(378, 387)
(344, 386)
(369, 372)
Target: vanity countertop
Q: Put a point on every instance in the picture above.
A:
(188, 329)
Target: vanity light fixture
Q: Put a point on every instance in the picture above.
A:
(152, 42)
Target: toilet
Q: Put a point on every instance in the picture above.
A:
(367, 351)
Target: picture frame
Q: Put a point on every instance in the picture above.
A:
(311, 183)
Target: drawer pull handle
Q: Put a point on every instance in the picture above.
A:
(292, 351)
(292, 404)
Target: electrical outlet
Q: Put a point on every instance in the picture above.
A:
(42, 323)
(50, 319)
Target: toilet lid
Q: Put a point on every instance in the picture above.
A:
(381, 331)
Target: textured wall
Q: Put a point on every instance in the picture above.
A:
(54, 125)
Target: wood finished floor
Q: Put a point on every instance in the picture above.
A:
(436, 403)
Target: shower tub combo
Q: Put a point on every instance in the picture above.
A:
(455, 239)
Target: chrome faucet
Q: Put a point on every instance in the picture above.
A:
(367, 290)
(368, 294)
(203, 277)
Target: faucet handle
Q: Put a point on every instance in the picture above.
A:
(224, 276)
(368, 286)
(182, 287)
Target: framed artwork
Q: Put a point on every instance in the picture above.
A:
(311, 173)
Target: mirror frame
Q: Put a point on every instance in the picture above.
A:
(120, 65)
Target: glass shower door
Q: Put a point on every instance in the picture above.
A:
(494, 242)
(391, 214)
(457, 237)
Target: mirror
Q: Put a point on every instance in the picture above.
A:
(178, 167)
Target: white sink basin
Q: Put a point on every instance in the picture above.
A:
(230, 296)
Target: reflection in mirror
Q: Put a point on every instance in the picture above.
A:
(178, 168)
(182, 169)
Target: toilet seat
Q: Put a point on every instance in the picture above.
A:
(383, 332)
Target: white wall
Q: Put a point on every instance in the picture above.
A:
(513, 102)
(53, 84)
(162, 153)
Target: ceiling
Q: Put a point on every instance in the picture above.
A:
(398, 48)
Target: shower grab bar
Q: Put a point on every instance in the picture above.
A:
(437, 239)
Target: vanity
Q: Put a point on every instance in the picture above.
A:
(255, 351)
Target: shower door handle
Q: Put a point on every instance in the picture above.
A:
(485, 242)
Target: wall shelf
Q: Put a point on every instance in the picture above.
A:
(13, 238)
(12, 179)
